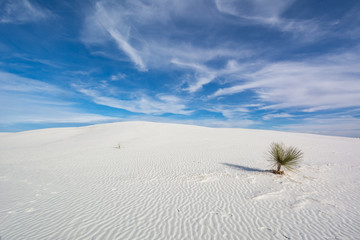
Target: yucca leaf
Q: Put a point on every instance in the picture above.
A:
(280, 156)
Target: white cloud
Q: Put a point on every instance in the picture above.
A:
(142, 104)
(216, 123)
(13, 82)
(22, 11)
(129, 24)
(117, 77)
(204, 75)
(43, 114)
(238, 88)
(229, 123)
(127, 48)
(30, 108)
(148, 34)
(230, 112)
(106, 21)
(337, 126)
(277, 115)
(260, 10)
(269, 13)
(25, 100)
(327, 82)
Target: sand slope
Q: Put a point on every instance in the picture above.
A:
(174, 182)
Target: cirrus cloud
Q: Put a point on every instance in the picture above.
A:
(22, 11)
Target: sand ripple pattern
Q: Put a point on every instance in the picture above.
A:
(174, 182)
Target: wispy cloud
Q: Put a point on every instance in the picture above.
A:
(327, 82)
(28, 109)
(208, 122)
(105, 21)
(204, 75)
(25, 100)
(128, 24)
(328, 125)
(22, 11)
(162, 104)
(245, 63)
(127, 48)
(277, 115)
(117, 77)
(349, 25)
(227, 123)
(31, 59)
(230, 112)
(15, 83)
(141, 32)
(270, 13)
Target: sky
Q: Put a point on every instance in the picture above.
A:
(281, 65)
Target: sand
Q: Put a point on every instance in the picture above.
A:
(170, 181)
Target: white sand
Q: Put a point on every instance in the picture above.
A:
(172, 181)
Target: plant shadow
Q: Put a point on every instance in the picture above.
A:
(244, 168)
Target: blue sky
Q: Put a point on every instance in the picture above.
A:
(266, 64)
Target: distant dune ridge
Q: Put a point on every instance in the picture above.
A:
(171, 181)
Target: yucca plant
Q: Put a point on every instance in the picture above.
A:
(287, 157)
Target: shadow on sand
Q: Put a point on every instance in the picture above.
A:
(244, 168)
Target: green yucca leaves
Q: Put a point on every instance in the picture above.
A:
(288, 157)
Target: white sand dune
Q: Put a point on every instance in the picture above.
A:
(171, 181)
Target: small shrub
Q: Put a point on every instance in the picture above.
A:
(281, 156)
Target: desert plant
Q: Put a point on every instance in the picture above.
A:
(281, 156)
